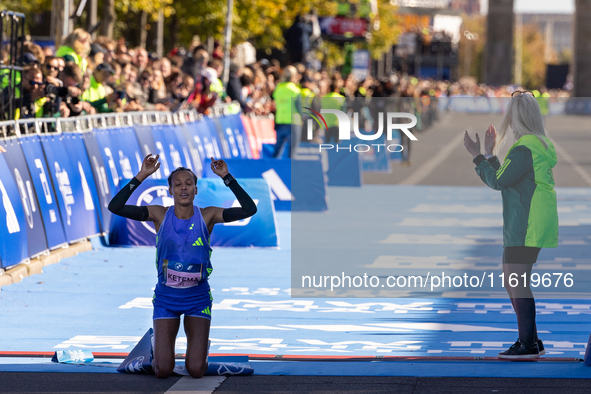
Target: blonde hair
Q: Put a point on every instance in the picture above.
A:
(73, 41)
(524, 117)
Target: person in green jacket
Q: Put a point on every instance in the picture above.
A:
(530, 216)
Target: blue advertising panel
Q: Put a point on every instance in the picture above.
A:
(395, 152)
(74, 144)
(235, 137)
(308, 186)
(13, 248)
(120, 152)
(189, 148)
(147, 145)
(103, 181)
(74, 184)
(204, 141)
(344, 168)
(268, 149)
(43, 186)
(258, 230)
(15, 159)
(169, 149)
(374, 157)
(215, 132)
(277, 173)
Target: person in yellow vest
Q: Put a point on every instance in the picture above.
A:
(96, 94)
(333, 100)
(308, 100)
(76, 48)
(285, 119)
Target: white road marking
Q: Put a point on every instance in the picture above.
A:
(204, 385)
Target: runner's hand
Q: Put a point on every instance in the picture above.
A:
(149, 166)
(219, 167)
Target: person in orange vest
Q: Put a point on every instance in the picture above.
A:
(285, 119)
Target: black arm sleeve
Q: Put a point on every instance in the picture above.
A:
(118, 207)
(247, 209)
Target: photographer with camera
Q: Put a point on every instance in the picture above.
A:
(96, 94)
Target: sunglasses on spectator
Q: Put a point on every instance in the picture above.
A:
(520, 92)
(53, 68)
(36, 83)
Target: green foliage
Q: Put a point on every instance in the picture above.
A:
(471, 51)
(385, 29)
(534, 70)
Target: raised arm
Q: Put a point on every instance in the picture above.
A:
(223, 215)
(152, 213)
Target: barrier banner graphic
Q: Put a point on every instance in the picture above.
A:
(44, 188)
(236, 136)
(215, 130)
(277, 173)
(258, 230)
(17, 164)
(169, 149)
(102, 176)
(252, 137)
(189, 148)
(204, 141)
(74, 184)
(13, 248)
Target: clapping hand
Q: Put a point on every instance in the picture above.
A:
(473, 147)
(490, 140)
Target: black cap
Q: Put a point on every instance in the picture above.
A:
(96, 48)
(105, 67)
(28, 58)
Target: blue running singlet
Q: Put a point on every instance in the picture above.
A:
(183, 263)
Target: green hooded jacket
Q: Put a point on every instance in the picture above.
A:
(530, 216)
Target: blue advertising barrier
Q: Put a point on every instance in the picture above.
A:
(74, 183)
(13, 248)
(190, 149)
(308, 186)
(235, 135)
(277, 173)
(44, 188)
(15, 159)
(216, 135)
(103, 181)
(344, 168)
(120, 152)
(205, 142)
(268, 149)
(396, 140)
(258, 230)
(169, 148)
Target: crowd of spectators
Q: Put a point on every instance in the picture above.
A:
(88, 77)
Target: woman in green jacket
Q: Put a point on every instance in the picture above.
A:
(530, 217)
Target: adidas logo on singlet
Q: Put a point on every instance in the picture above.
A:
(199, 242)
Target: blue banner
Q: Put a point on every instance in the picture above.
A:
(258, 230)
(204, 141)
(344, 168)
(104, 182)
(44, 188)
(190, 150)
(235, 136)
(75, 187)
(215, 132)
(120, 152)
(13, 248)
(169, 149)
(17, 164)
(277, 173)
(308, 186)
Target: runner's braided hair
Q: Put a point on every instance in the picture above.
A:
(171, 176)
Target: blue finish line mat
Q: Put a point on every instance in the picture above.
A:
(101, 301)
